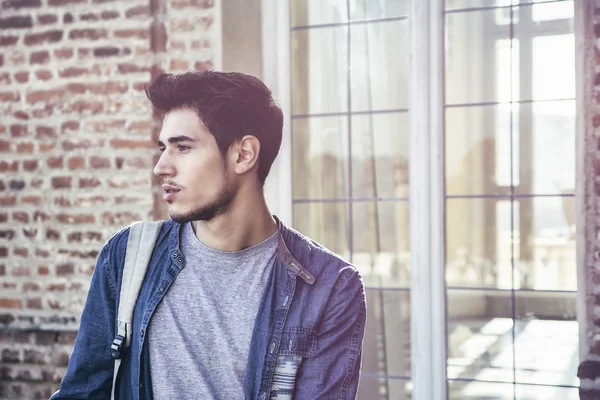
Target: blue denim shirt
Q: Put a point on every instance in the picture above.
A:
(309, 326)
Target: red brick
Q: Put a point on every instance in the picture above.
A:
(56, 287)
(37, 183)
(4, 146)
(62, 202)
(179, 65)
(76, 88)
(65, 2)
(109, 14)
(202, 66)
(34, 303)
(31, 287)
(17, 131)
(55, 162)
(138, 11)
(7, 201)
(192, 3)
(30, 165)
(8, 40)
(200, 44)
(85, 106)
(45, 95)
(99, 162)
(61, 182)
(25, 148)
(43, 270)
(44, 111)
(22, 76)
(108, 88)
(132, 33)
(3, 252)
(43, 74)
(104, 125)
(46, 19)
(90, 34)
(46, 147)
(21, 271)
(39, 57)
(21, 252)
(30, 233)
(5, 78)
(86, 183)
(69, 126)
(74, 163)
(20, 216)
(72, 72)
(9, 97)
(3, 217)
(75, 218)
(10, 303)
(69, 145)
(140, 86)
(43, 131)
(31, 200)
(43, 37)
(20, 114)
(126, 68)
(63, 54)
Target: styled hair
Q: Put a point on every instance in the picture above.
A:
(230, 104)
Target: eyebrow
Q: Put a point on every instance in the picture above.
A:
(178, 139)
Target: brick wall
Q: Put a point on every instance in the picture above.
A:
(77, 147)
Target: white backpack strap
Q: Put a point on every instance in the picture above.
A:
(140, 245)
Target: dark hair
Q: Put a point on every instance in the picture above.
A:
(230, 104)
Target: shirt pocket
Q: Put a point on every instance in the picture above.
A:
(296, 344)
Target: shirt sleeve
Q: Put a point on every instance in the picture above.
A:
(332, 372)
(90, 369)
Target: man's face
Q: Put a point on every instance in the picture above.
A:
(194, 172)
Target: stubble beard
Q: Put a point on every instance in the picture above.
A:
(209, 211)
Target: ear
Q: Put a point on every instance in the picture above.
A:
(246, 154)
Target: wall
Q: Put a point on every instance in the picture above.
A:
(77, 145)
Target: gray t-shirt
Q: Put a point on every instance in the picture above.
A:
(199, 335)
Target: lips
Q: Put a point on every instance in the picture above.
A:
(170, 192)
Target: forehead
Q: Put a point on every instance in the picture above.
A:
(182, 122)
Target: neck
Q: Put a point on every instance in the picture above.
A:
(246, 222)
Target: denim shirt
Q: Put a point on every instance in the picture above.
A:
(306, 341)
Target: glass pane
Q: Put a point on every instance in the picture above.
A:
(458, 4)
(314, 12)
(478, 150)
(552, 11)
(380, 155)
(546, 157)
(380, 245)
(386, 346)
(379, 75)
(554, 56)
(470, 57)
(372, 9)
(544, 244)
(384, 389)
(546, 339)
(320, 144)
(474, 390)
(478, 243)
(530, 392)
(480, 335)
(326, 223)
(319, 70)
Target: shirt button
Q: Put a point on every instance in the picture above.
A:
(141, 386)
(161, 289)
(142, 333)
(263, 396)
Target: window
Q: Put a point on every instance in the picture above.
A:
(509, 176)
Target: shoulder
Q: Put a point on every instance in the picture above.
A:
(326, 266)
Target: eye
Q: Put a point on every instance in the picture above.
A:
(182, 147)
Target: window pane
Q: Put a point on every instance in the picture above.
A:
(457, 4)
(379, 75)
(552, 11)
(319, 70)
(478, 150)
(384, 389)
(386, 346)
(480, 335)
(547, 148)
(380, 155)
(530, 392)
(474, 390)
(381, 242)
(470, 57)
(314, 12)
(544, 244)
(554, 56)
(320, 144)
(478, 243)
(326, 223)
(546, 338)
(372, 9)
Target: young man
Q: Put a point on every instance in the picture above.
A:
(234, 305)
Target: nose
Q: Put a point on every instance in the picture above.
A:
(163, 166)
